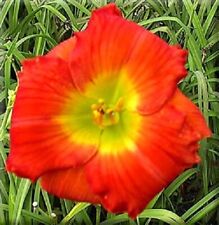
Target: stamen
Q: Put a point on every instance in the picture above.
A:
(119, 105)
(114, 117)
(98, 117)
(108, 111)
(105, 116)
(94, 106)
(101, 101)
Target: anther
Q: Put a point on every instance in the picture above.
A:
(108, 111)
(94, 106)
(98, 117)
(119, 105)
(105, 116)
(101, 101)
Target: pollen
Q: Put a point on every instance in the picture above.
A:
(104, 115)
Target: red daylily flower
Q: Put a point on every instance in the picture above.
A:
(100, 118)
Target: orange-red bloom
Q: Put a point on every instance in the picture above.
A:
(100, 117)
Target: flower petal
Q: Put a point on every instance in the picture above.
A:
(194, 117)
(126, 183)
(70, 184)
(166, 143)
(156, 78)
(43, 133)
(109, 9)
(64, 49)
(119, 45)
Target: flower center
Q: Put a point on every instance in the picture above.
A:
(104, 115)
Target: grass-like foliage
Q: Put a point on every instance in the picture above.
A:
(32, 27)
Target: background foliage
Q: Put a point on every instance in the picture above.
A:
(33, 27)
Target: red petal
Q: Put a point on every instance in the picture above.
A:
(64, 49)
(126, 183)
(109, 9)
(113, 46)
(69, 184)
(194, 117)
(157, 68)
(166, 145)
(38, 143)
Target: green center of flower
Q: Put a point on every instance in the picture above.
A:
(104, 115)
